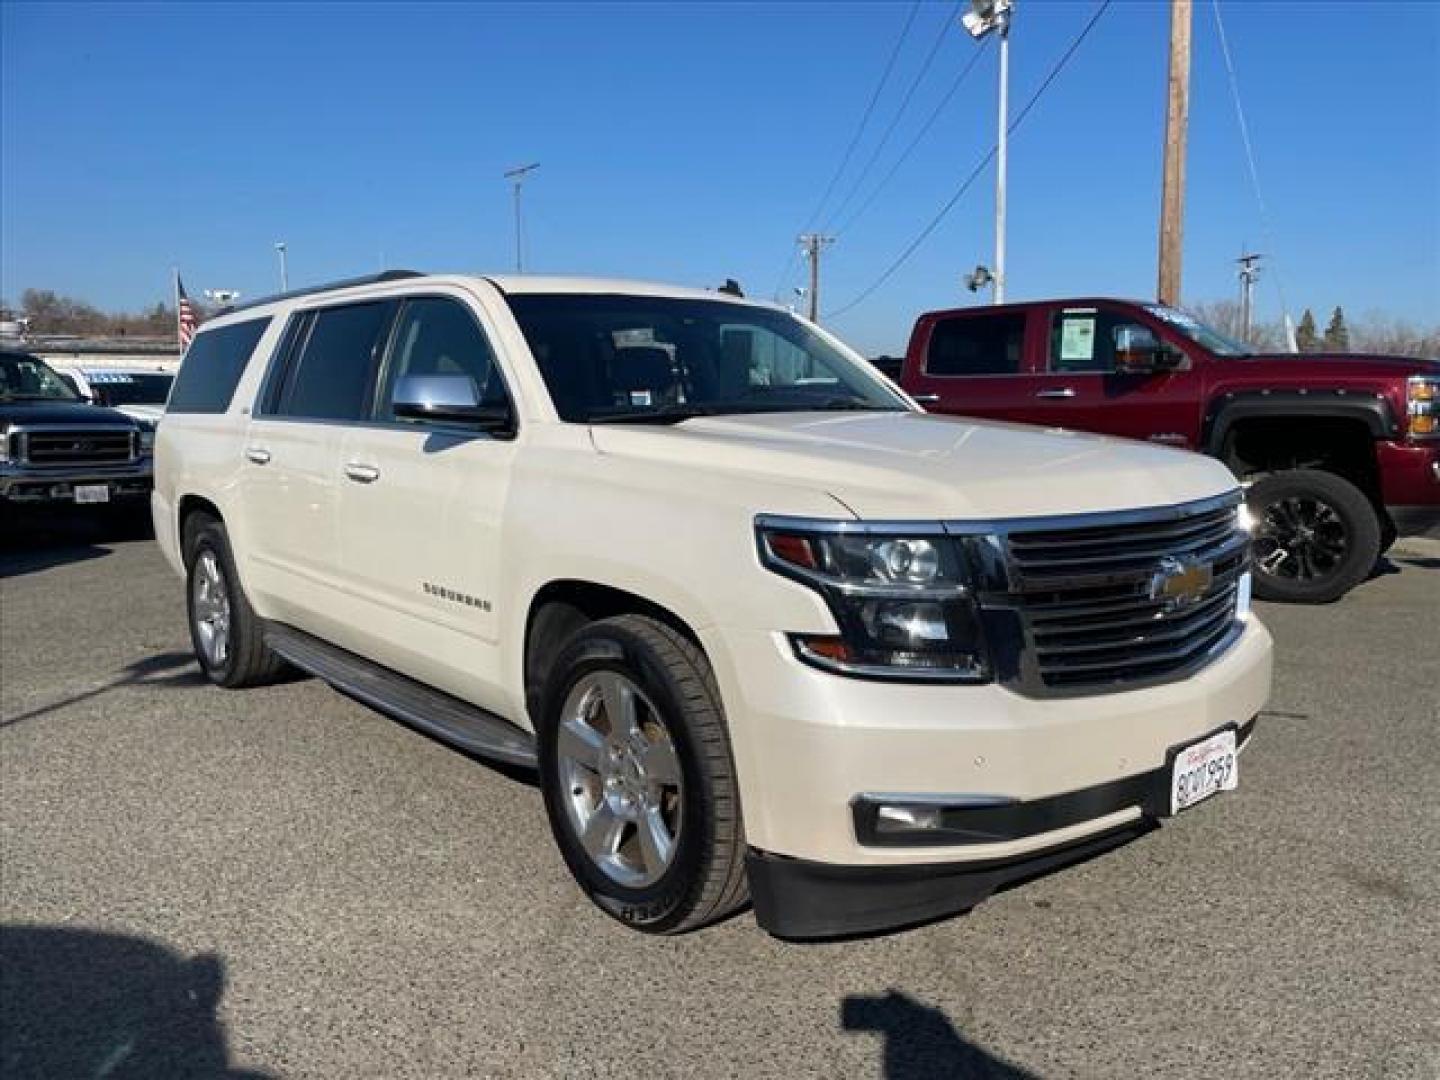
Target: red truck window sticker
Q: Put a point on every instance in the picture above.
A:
(1077, 337)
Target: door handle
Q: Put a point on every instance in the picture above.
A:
(362, 474)
(925, 399)
(258, 455)
(1059, 392)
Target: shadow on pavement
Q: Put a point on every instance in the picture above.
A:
(31, 541)
(921, 1043)
(82, 1003)
(163, 669)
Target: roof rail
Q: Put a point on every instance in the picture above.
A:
(347, 283)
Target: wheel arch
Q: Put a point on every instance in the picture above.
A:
(188, 510)
(561, 607)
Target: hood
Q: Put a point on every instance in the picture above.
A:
(76, 414)
(907, 465)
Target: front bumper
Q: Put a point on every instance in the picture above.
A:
(1410, 486)
(21, 485)
(798, 898)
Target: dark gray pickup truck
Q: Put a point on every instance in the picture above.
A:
(55, 449)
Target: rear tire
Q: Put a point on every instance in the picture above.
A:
(228, 637)
(1316, 536)
(645, 808)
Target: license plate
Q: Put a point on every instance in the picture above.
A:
(92, 493)
(1202, 769)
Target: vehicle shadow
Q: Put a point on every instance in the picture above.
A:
(176, 669)
(921, 1043)
(32, 541)
(85, 1003)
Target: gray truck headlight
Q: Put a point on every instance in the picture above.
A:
(901, 600)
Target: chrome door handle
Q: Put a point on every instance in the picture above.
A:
(925, 399)
(257, 455)
(1061, 392)
(362, 474)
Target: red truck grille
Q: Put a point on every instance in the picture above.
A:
(1141, 601)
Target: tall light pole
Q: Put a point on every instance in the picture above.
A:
(284, 268)
(984, 17)
(517, 177)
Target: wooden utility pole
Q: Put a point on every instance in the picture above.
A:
(813, 243)
(1177, 119)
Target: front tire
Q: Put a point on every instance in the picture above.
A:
(1316, 536)
(638, 778)
(227, 634)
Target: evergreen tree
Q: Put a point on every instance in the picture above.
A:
(1307, 338)
(1337, 334)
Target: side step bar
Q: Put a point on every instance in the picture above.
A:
(466, 726)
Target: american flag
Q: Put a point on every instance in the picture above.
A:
(186, 316)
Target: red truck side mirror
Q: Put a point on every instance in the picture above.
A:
(1139, 352)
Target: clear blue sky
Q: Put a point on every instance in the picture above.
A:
(691, 142)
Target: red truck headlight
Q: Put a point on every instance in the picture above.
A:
(1422, 395)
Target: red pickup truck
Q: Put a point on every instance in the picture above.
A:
(1339, 453)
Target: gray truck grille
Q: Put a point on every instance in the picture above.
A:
(1087, 604)
(77, 447)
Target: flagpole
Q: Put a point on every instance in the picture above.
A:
(179, 338)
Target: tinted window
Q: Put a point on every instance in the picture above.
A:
(212, 367)
(434, 336)
(138, 389)
(1085, 339)
(977, 345)
(330, 380)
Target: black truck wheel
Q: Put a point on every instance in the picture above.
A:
(1316, 536)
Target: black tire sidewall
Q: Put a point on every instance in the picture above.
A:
(657, 907)
(1362, 527)
(211, 537)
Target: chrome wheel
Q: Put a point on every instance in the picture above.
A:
(210, 609)
(1300, 539)
(621, 779)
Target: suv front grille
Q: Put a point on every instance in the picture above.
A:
(1087, 603)
(77, 446)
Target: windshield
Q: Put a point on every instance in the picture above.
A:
(642, 359)
(140, 389)
(28, 378)
(1198, 332)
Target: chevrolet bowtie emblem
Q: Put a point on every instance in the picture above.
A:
(1180, 580)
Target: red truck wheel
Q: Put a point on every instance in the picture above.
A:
(1316, 536)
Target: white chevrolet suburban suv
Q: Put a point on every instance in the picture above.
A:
(765, 627)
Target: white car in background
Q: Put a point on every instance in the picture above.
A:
(139, 393)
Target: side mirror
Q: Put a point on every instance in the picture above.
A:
(451, 399)
(1138, 352)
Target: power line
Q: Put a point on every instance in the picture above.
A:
(945, 24)
(859, 211)
(1250, 161)
(854, 141)
(980, 166)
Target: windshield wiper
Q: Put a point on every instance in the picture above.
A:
(662, 414)
(849, 404)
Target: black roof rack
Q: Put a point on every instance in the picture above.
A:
(347, 283)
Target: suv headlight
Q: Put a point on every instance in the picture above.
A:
(901, 600)
(1422, 397)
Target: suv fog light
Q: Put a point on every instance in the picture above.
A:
(902, 819)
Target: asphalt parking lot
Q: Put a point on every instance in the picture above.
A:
(281, 882)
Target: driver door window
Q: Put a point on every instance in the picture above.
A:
(437, 336)
(1089, 340)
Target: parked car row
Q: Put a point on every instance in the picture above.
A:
(765, 627)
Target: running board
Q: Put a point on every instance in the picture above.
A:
(464, 725)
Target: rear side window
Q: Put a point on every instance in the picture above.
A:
(330, 379)
(212, 367)
(976, 345)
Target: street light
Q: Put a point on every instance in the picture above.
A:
(984, 17)
(284, 270)
(517, 177)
